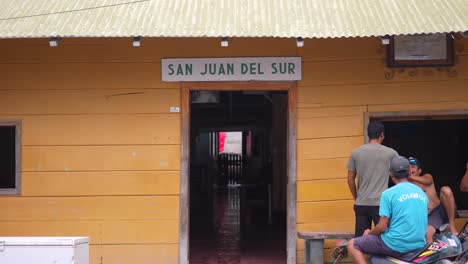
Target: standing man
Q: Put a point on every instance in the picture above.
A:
(403, 219)
(370, 163)
(464, 182)
(441, 210)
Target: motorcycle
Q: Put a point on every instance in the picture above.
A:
(446, 249)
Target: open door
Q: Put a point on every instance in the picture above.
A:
(238, 202)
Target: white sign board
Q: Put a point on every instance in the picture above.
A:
(232, 69)
(421, 47)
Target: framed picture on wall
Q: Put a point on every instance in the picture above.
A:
(420, 50)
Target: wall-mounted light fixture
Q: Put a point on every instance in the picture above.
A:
(224, 42)
(136, 42)
(300, 42)
(385, 40)
(54, 41)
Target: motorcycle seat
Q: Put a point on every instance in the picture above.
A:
(408, 256)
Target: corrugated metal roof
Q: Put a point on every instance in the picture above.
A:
(232, 18)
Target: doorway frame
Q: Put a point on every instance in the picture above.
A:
(291, 161)
(410, 115)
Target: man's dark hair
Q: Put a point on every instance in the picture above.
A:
(374, 129)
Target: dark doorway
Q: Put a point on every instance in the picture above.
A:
(440, 142)
(238, 176)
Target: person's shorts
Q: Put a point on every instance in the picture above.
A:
(374, 245)
(437, 217)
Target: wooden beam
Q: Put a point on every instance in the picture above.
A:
(239, 86)
(411, 114)
(184, 227)
(291, 170)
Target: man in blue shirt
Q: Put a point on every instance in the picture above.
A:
(403, 218)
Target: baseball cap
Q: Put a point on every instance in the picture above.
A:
(414, 161)
(400, 167)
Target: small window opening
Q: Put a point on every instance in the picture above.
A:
(9, 158)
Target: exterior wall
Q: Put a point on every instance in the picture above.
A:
(339, 86)
(101, 151)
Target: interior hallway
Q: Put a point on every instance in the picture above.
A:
(220, 240)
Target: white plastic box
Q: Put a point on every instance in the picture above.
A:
(44, 250)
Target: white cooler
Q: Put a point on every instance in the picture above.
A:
(44, 250)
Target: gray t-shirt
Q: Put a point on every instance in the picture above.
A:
(371, 162)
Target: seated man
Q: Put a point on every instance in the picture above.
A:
(464, 182)
(440, 211)
(403, 218)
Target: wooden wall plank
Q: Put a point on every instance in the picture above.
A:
(324, 127)
(36, 102)
(344, 49)
(325, 148)
(313, 112)
(99, 232)
(389, 93)
(372, 71)
(461, 45)
(323, 190)
(322, 169)
(459, 222)
(433, 106)
(153, 49)
(91, 229)
(83, 76)
(141, 254)
(115, 129)
(100, 183)
(98, 158)
(325, 211)
(89, 208)
(148, 231)
(148, 75)
(347, 226)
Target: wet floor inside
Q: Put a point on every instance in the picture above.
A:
(218, 234)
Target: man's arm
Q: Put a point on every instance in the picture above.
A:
(425, 180)
(464, 182)
(352, 183)
(379, 228)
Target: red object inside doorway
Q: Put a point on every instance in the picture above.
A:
(222, 140)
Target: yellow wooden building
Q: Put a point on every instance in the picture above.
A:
(103, 143)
